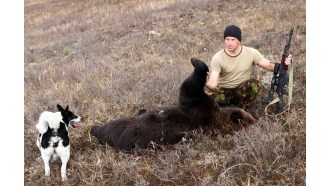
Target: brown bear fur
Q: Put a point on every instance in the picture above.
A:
(168, 125)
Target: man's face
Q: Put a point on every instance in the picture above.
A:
(232, 43)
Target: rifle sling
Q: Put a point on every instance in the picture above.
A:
(290, 86)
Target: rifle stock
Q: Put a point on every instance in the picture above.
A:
(273, 83)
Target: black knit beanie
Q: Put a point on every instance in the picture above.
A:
(232, 31)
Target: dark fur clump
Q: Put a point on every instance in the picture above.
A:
(192, 89)
(168, 125)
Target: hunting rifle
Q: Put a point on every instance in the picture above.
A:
(279, 81)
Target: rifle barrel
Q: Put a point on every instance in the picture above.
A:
(286, 51)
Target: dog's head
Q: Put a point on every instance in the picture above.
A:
(68, 116)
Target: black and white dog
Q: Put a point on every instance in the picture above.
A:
(53, 139)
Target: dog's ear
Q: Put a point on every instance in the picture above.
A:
(67, 108)
(59, 107)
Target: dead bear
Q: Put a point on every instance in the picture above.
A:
(167, 125)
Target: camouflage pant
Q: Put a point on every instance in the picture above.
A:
(239, 96)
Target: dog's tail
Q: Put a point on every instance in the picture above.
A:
(48, 119)
(42, 124)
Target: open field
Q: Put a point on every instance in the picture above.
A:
(107, 58)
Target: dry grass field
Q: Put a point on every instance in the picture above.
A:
(107, 58)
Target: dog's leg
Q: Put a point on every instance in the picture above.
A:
(63, 169)
(64, 155)
(38, 141)
(45, 157)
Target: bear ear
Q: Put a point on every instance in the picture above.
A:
(194, 61)
(59, 107)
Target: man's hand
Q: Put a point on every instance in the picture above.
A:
(212, 80)
(288, 60)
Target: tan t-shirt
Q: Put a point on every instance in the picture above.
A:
(234, 70)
